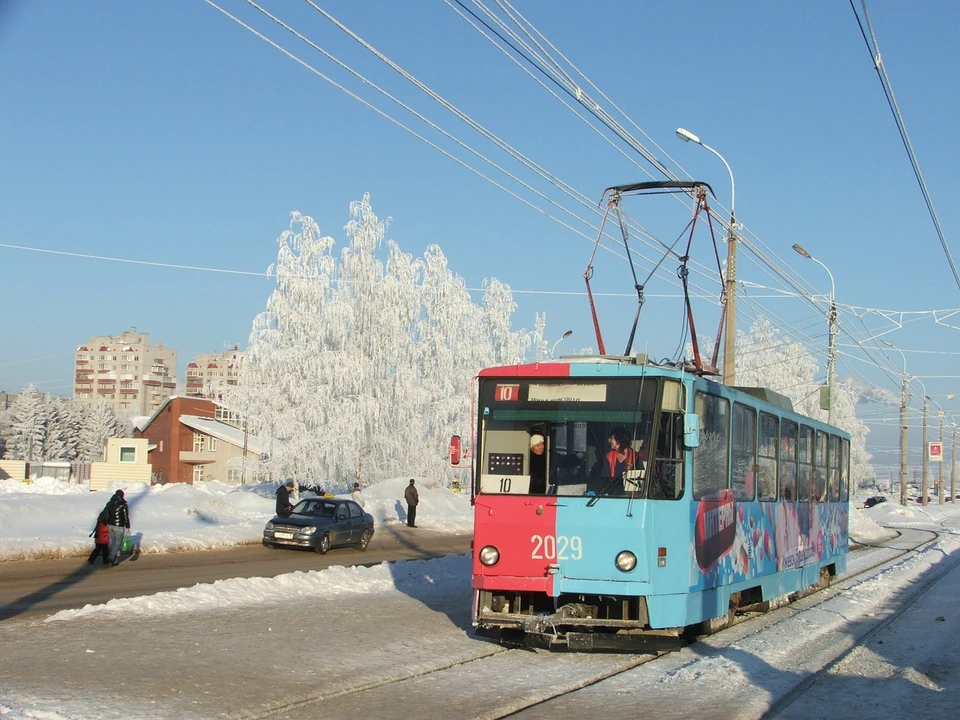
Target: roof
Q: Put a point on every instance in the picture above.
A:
(223, 431)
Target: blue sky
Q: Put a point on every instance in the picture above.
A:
(167, 133)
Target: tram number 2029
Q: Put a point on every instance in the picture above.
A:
(560, 547)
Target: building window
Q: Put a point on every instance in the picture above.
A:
(233, 476)
(128, 454)
(212, 445)
(198, 473)
(199, 442)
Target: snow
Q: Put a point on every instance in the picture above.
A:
(901, 665)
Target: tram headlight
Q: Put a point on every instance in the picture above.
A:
(489, 555)
(626, 561)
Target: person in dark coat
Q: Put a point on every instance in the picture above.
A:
(284, 506)
(118, 524)
(413, 499)
(101, 536)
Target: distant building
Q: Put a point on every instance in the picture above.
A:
(6, 400)
(206, 370)
(126, 371)
(188, 444)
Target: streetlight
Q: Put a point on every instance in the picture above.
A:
(831, 344)
(730, 294)
(567, 334)
(903, 424)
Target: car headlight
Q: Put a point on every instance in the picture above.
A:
(626, 561)
(308, 530)
(269, 526)
(489, 555)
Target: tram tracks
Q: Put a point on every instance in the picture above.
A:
(499, 682)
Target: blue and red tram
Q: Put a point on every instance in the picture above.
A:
(621, 504)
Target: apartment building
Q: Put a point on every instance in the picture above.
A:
(126, 371)
(206, 370)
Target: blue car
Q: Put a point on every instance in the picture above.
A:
(320, 524)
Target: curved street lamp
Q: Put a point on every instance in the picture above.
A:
(567, 334)
(730, 291)
(832, 325)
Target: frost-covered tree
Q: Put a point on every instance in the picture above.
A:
(29, 418)
(362, 367)
(56, 446)
(99, 423)
(766, 359)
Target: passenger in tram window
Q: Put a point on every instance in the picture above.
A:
(538, 464)
(621, 456)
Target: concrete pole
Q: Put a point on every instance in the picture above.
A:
(940, 469)
(953, 468)
(903, 442)
(925, 478)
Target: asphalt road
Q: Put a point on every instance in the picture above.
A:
(43, 587)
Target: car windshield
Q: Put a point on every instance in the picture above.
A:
(317, 508)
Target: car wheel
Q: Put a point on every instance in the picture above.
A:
(323, 547)
(364, 540)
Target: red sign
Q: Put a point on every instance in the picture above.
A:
(715, 528)
(935, 453)
(506, 393)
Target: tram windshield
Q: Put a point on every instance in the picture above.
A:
(569, 437)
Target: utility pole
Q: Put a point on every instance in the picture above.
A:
(904, 400)
(940, 469)
(730, 291)
(903, 442)
(953, 466)
(924, 479)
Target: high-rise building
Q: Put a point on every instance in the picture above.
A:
(206, 370)
(126, 371)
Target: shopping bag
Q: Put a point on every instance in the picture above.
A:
(127, 544)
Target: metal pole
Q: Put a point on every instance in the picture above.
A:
(940, 469)
(904, 401)
(924, 479)
(832, 337)
(953, 466)
(903, 442)
(831, 357)
(730, 318)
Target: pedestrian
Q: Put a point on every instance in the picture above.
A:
(413, 499)
(357, 495)
(284, 506)
(118, 524)
(101, 536)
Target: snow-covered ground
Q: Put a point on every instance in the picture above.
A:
(51, 519)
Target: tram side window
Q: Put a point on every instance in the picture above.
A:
(767, 460)
(667, 480)
(710, 458)
(788, 461)
(744, 452)
(845, 470)
(805, 464)
(820, 471)
(833, 487)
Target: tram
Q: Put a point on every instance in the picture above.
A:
(662, 503)
(623, 504)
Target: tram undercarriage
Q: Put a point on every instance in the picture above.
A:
(584, 623)
(571, 622)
